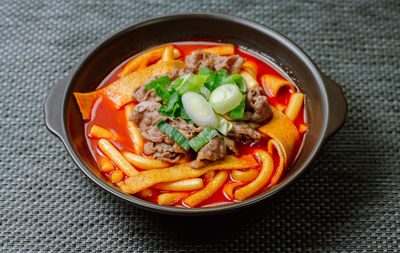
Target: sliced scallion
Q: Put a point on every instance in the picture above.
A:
(178, 82)
(192, 84)
(174, 134)
(199, 110)
(163, 81)
(184, 115)
(162, 93)
(205, 71)
(238, 112)
(202, 138)
(205, 92)
(211, 76)
(238, 80)
(219, 78)
(224, 126)
(172, 107)
(225, 98)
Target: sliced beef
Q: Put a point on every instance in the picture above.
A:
(200, 58)
(145, 115)
(257, 107)
(214, 150)
(171, 151)
(231, 145)
(242, 131)
(163, 151)
(232, 63)
(161, 146)
(188, 130)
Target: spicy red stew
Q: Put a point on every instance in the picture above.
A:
(194, 125)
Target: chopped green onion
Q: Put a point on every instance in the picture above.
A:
(238, 80)
(205, 71)
(203, 138)
(171, 109)
(219, 77)
(164, 111)
(174, 108)
(205, 92)
(199, 110)
(164, 80)
(184, 115)
(207, 85)
(211, 76)
(223, 72)
(162, 93)
(174, 134)
(192, 84)
(224, 126)
(178, 82)
(173, 100)
(238, 112)
(175, 84)
(225, 98)
(198, 80)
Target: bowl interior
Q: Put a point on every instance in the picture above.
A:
(133, 40)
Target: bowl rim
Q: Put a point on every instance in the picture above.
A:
(192, 211)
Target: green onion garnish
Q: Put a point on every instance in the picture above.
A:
(205, 71)
(192, 84)
(174, 134)
(199, 109)
(163, 81)
(175, 84)
(225, 98)
(203, 138)
(218, 80)
(205, 92)
(238, 80)
(169, 112)
(162, 93)
(238, 112)
(224, 126)
(183, 114)
(211, 76)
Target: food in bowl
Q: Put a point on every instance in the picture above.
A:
(194, 124)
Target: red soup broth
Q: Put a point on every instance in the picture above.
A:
(106, 115)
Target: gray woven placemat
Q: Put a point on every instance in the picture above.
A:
(347, 201)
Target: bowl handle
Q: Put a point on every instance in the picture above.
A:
(53, 107)
(337, 106)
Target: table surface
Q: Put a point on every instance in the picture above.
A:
(348, 200)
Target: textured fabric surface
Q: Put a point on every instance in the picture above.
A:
(348, 200)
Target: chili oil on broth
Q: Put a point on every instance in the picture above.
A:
(106, 115)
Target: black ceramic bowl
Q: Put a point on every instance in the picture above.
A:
(326, 104)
